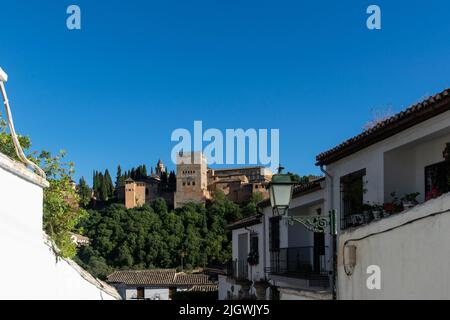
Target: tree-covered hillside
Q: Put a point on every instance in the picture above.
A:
(154, 237)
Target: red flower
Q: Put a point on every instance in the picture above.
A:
(434, 193)
(389, 207)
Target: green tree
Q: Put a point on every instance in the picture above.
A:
(120, 179)
(109, 185)
(84, 192)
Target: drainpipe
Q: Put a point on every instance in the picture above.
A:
(333, 234)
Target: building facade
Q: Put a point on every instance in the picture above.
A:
(389, 187)
(197, 183)
(292, 263)
(158, 284)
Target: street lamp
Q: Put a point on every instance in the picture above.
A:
(280, 193)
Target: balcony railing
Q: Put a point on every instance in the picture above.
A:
(302, 263)
(238, 269)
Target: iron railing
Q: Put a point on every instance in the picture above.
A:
(238, 269)
(300, 262)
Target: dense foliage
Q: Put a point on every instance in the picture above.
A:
(154, 237)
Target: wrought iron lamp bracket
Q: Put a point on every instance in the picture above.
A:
(316, 224)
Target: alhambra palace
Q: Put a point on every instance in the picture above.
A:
(195, 182)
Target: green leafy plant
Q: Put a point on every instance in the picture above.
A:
(61, 210)
(411, 197)
(253, 258)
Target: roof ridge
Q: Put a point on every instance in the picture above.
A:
(423, 106)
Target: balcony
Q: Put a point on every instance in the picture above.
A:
(238, 269)
(301, 263)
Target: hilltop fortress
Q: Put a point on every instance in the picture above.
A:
(195, 182)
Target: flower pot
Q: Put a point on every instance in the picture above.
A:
(367, 216)
(357, 219)
(408, 205)
(377, 214)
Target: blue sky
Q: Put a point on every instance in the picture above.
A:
(114, 92)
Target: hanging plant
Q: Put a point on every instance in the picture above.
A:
(253, 258)
(446, 152)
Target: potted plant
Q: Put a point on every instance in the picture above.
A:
(410, 200)
(434, 193)
(393, 206)
(367, 209)
(253, 258)
(377, 211)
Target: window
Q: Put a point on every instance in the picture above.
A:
(352, 196)
(253, 257)
(254, 242)
(437, 179)
(140, 293)
(193, 183)
(274, 234)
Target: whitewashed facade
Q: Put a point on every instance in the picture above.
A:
(405, 154)
(294, 263)
(30, 269)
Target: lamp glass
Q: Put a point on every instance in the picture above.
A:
(282, 194)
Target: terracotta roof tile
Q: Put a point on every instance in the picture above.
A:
(192, 279)
(167, 277)
(143, 277)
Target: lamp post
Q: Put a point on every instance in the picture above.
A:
(280, 192)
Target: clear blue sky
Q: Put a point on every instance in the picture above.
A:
(114, 92)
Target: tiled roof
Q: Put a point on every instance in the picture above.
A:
(143, 277)
(205, 288)
(312, 185)
(167, 277)
(415, 114)
(246, 222)
(300, 189)
(192, 279)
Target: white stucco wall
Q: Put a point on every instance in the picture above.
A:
(255, 273)
(401, 158)
(228, 285)
(297, 235)
(149, 293)
(29, 268)
(413, 258)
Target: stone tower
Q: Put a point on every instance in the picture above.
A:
(192, 178)
(134, 193)
(160, 168)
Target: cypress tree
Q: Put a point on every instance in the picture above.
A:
(119, 177)
(84, 192)
(108, 184)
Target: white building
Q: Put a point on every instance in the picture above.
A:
(158, 284)
(293, 262)
(406, 154)
(242, 275)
